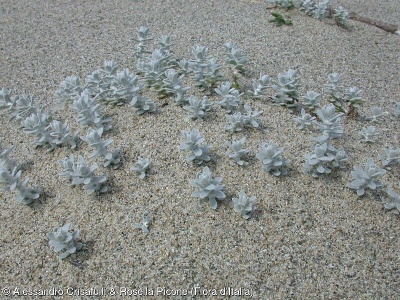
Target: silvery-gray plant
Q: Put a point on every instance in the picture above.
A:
(238, 121)
(304, 120)
(334, 90)
(173, 84)
(353, 97)
(80, 173)
(10, 179)
(271, 159)
(88, 113)
(324, 158)
(341, 16)
(321, 10)
(235, 57)
(244, 204)
(204, 68)
(166, 46)
(198, 108)
(368, 134)
(142, 38)
(10, 174)
(5, 160)
(59, 134)
(141, 166)
(396, 110)
(285, 4)
(63, 240)
(311, 100)
(376, 114)
(93, 138)
(236, 151)
(192, 141)
(36, 124)
(145, 225)
(6, 102)
(142, 104)
(208, 188)
(367, 178)
(153, 69)
(260, 86)
(123, 88)
(330, 126)
(18, 107)
(393, 203)
(230, 96)
(308, 6)
(67, 90)
(390, 157)
(287, 85)
(98, 84)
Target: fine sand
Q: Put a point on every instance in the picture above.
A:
(308, 238)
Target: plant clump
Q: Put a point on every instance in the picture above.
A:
(244, 204)
(141, 166)
(192, 141)
(63, 240)
(236, 152)
(271, 159)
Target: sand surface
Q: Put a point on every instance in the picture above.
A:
(308, 239)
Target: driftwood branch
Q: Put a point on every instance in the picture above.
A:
(382, 25)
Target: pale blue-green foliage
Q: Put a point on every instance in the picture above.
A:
(368, 134)
(10, 178)
(198, 108)
(153, 69)
(68, 89)
(304, 120)
(311, 100)
(244, 204)
(59, 134)
(142, 104)
(173, 84)
(80, 173)
(330, 126)
(18, 107)
(271, 159)
(333, 88)
(235, 57)
(142, 37)
(367, 177)
(394, 203)
(324, 158)
(308, 6)
(207, 187)
(285, 4)
(321, 10)
(204, 68)
(146, 221)
(192, 141)
(63, 240)
(341, 16)
(376, 114)
(390, 157)
(36, 124)
(88, 113)
(230, 96)
(238, 121)
(287, 83)
(5, 160)
(396, 110)
(93, 138)
(99, 82)
(236, 152)
(140, 167)
(353, 97)
(259, 86)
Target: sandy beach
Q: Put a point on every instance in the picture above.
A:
(309, 238)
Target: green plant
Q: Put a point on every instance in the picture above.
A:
(279, 20)
(63, 240)
(207, 187)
